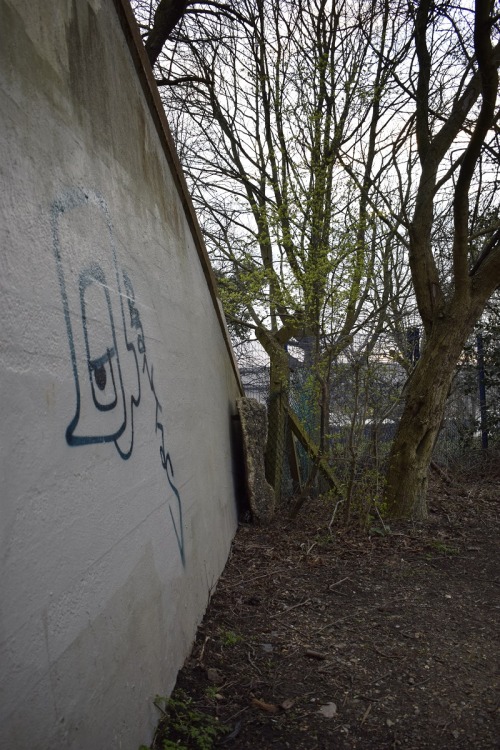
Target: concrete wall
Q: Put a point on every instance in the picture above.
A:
(117, 388)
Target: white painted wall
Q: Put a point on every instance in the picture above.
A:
(117, 389)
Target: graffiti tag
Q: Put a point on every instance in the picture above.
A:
(105, 334)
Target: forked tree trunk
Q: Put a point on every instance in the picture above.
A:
(449, 319)
(426, 394)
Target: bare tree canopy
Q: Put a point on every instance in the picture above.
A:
(333, 148)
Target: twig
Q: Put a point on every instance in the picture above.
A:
(366, 698)
(252, 663)
(251, 580)
(339, 502)
(380, 518)
(160, 708)
(233, 716)
(417, 684)
(365, 715)
(336, 622)
(312, 654)
(386, 656)
(200, 657)
(440, 472)
(337, 583)
(288, 609)
(379, 679)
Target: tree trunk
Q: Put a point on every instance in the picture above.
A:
(276, 420)
(426, 394)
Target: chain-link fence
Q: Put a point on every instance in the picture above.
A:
(365, 404)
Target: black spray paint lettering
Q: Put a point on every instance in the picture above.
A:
(105, 334)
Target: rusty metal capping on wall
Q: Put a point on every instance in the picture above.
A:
(152, 96)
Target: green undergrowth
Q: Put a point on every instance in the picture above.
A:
(183, 726)
(444, 549)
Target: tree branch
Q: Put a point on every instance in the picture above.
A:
(489, 85)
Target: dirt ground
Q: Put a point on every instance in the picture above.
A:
(321, 638)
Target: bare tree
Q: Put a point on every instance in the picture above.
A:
(263, 106)
(453, 81)
(328, 145)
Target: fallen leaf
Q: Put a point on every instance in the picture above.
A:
(215, 676)
(271, 708)
(233, 734)
(329, 710)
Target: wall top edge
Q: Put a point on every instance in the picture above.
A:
(153, 100)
